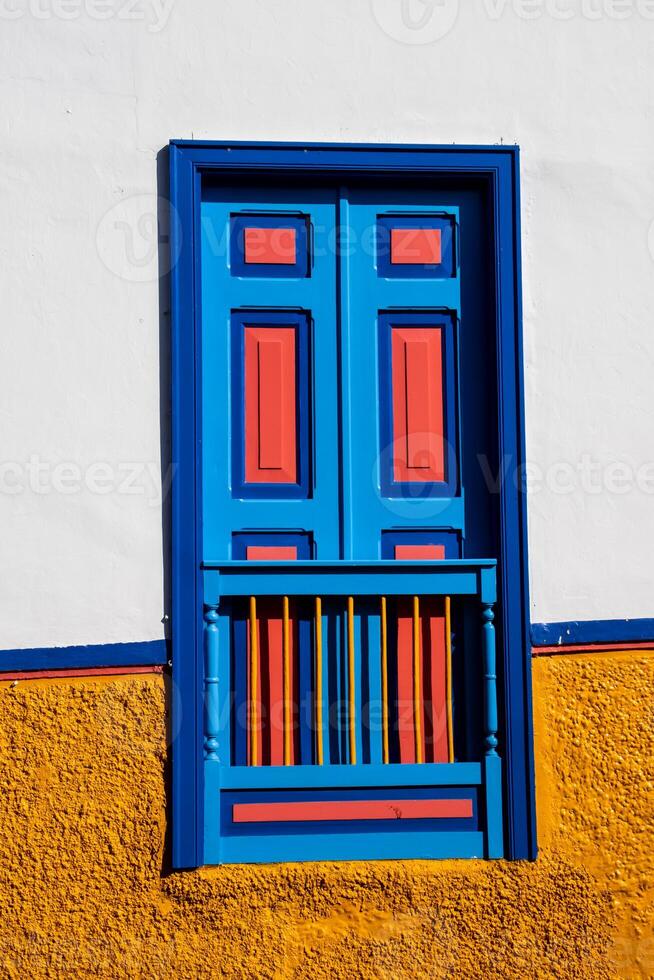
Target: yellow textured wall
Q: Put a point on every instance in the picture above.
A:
(84, 889)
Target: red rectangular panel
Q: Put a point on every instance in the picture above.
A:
(418, 413)
(413, 552)
(415, 246)
(271, 552)
(269, 246)
(351, 810)
(270, 405)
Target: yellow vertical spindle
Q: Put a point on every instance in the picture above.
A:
(319, 732)
(417, 707)
(254, 684)
(384, 679)
(448, 679)
(350, 664)
(286, 647)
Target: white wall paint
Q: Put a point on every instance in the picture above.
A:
(86, 103)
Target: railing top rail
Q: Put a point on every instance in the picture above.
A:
(358, 578)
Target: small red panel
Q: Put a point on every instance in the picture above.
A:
(271, 552)
(415, 246)
(351, 810)
(413, 552)
(270, 405)
(418, 423)
(269, 246)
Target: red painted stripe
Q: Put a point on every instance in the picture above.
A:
(271, 661)
(412, 552)
(418, 424)
(270, 405)
(415, 246)
(351, 810)
(591, 648)
(34, 675)
(270, 246)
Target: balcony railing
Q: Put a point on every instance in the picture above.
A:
(320, 674)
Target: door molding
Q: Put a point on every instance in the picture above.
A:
(498, 166)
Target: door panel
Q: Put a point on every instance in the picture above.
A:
(270, 451)
(401, 310)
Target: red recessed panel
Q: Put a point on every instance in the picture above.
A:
(418, 413)
(270, 405)
(271, 552)
(415, 552)
(269, 246)
(415, 246)
(352, 810)
(270, 667)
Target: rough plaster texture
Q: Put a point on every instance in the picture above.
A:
(90, 93)
(82, 828)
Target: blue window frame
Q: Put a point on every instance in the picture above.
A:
(495, 169)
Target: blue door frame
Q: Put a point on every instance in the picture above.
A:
(498, 168)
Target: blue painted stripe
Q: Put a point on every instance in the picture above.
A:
(145, 653)
(345, 847)
(592, 631)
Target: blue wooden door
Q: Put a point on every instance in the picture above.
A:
(331, 321)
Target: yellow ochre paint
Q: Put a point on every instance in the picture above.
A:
(417, 700)
(85, 889)
(319, 731)
(286, 654)
(254, 684)
(448, 679)
(352, 720)
(384, 679)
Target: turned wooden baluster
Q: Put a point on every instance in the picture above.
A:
(490, 679)
(211, 696)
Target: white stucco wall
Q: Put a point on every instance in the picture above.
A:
(92, 89)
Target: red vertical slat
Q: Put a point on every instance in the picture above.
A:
(271, 661)
(432, 667)
(418, 412)
(270, 405)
